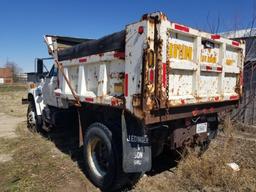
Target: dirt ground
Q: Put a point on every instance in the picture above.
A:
(9, 125)
(31, 162)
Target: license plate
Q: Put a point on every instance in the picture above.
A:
(201, 128)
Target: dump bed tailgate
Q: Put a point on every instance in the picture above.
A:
(200, 67)
(186, 70)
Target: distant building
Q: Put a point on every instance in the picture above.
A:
(6, 76)
(21, 78)
(35, 77)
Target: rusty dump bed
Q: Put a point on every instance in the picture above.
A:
(156, 69)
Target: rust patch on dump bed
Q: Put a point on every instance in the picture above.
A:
(118, 88)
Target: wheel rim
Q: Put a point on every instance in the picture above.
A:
(31, 118)
(98, 156)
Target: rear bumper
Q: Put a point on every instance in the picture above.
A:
(163, 115)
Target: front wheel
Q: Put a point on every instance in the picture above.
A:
(34, 121)
(103, 160)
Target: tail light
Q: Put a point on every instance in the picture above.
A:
(164, 75)
(126, 85)
(140, 29)
(151, 75)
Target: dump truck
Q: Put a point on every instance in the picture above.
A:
(155, 85)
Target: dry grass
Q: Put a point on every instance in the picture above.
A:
(36, 163)
(210, 172)
(38, 166)
(10, 99)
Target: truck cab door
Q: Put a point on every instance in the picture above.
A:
(51, 83)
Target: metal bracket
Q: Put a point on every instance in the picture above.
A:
(77, 100)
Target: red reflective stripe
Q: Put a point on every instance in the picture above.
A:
(216, 98)
(233, 97)
(114, 101)
(126, 85)
(82, 60)
(151, 75)
(215, 36)
(181, 28)
(164, 75)
(89, 99)
(219, 68)
(195, 112)
(208, 68)
(140, 29)
(119, 55)
(205, 111)
(235, 43)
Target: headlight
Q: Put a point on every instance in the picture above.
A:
(38, 91)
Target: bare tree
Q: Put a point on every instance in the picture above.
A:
(16, 70)
(246, 111)
(213, 25)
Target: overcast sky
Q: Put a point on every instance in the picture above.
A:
(25, 22)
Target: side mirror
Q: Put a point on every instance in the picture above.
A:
(40, 66)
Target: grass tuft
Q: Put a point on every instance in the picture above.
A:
(210, 171)
(37, 167)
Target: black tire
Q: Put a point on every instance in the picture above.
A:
(37, 125)
(109, 177)
(99, 133)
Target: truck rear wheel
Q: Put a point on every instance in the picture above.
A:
(102, 160)
(99, 155)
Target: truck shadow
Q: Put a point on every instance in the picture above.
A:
(168, 160)
(66, 140)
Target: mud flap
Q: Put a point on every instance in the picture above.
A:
(136, 150)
